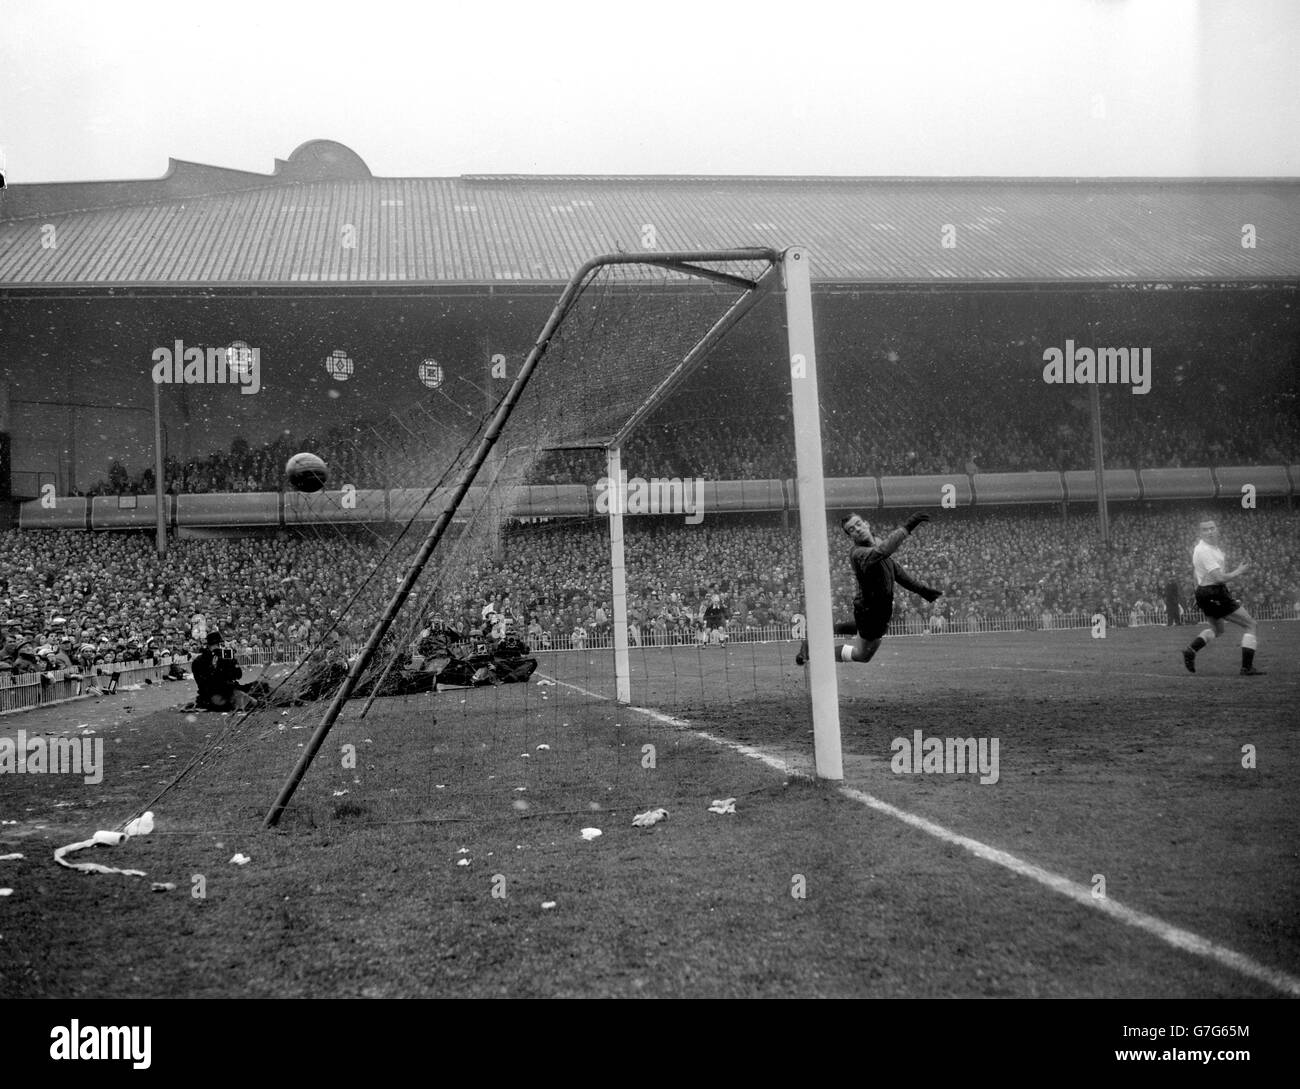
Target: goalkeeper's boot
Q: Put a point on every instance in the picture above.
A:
(1251, 671)
(802, 656)
(1189, 660)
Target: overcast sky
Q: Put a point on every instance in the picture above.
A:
(92, 90)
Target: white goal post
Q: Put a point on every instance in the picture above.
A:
(796, 280)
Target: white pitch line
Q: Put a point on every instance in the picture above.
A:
(1079, 672)
(1183, 940)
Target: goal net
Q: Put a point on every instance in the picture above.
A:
(482, 660)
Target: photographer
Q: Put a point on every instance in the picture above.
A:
(217, 674)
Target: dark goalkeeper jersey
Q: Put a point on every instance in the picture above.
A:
(876, 572)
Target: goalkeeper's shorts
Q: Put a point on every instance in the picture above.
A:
(872, 623)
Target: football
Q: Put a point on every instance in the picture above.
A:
(306, 473)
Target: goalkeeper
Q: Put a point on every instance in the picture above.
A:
(876, 571)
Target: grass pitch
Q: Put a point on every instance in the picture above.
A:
(423, 865)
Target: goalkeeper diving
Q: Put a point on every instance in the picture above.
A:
(876, 572)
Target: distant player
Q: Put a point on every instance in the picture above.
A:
(1216, 603)
(715, 616)
(876, 572)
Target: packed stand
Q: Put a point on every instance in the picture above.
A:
(93, 597)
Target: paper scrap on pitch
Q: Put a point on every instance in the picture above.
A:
(240, 859)
(723, 805)
(591, 833)
(141, 826)
(649, 817)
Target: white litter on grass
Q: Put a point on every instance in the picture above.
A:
(161, 886)
(240, 859)
(6, 892)
(591, 833)
(462, 862)
(9, 858)
(723, 805)
(543, 680)
(547, 905)
(340, 793)
(140, 826)
(541, 748)
(463, 851)
(649, 817)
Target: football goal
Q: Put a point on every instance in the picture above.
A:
(429, 679)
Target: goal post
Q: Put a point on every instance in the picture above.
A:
(823, 692)
(627, 330)
(822, 688)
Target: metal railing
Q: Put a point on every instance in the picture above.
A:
(27, 691)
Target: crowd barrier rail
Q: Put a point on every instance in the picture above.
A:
(214, 510)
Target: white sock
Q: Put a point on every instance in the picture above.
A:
(1249, 641)
(846, 653)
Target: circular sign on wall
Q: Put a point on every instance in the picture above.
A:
(239, 358)
(339, 365)
(431, 373)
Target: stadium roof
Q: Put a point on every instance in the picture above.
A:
(321, 219)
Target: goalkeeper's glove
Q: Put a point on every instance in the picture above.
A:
(914, 521)
(931, 595)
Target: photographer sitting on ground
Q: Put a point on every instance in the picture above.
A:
(217, 675)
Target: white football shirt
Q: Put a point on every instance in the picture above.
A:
(1205, 560)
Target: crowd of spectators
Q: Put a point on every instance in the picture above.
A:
(913, 407)
(109, 596)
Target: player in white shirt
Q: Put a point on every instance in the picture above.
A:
(1212, 575)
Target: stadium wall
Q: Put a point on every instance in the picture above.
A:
(261, 509)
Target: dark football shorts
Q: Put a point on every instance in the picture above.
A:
(1215, 601)
(872, 623)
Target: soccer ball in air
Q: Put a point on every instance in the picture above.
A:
(306, 473)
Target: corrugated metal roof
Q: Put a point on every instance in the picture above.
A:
(490, 230)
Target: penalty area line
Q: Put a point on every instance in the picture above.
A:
(1183, 940)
